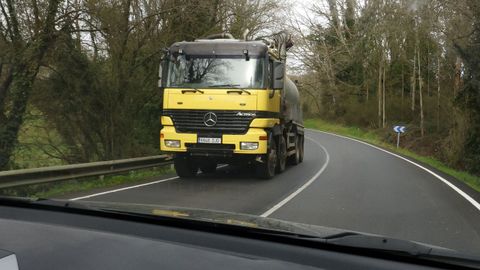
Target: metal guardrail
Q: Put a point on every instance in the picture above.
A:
(60, 173)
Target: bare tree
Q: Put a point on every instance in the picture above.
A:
(28, 49)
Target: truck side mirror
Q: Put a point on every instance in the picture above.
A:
(278, 75)
(160, 74)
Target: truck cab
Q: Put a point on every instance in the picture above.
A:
(229, 101)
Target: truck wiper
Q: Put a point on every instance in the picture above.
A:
(239, 90)
(236, 86)
(192, 90)
(225, 85)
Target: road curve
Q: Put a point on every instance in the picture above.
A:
(341, 183)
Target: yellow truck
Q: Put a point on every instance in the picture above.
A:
(229, 101)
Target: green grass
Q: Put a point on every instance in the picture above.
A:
(59, 189)
(374, 138)
(39, 144)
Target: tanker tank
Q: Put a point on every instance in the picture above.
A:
(292, 110)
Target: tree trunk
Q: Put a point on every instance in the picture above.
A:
(403, 94)
(25, 71)
(379, 93)
(332, 4)
(413, 80)
(367, 90)
(403, 86)
(78, 39)
(383, 99)
(20, 91)
(458, 71)
(422, 128)
(366, 83)
(349, 18)
(315, 100)
(3, 90)
(428, 71)
(438, 94)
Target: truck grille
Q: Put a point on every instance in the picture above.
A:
(227, 122)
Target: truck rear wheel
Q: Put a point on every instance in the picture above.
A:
(295, 159)
(282, 154)
(185, 166)
(266, 169)
(301, 148)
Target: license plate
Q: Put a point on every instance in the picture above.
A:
(209, 140)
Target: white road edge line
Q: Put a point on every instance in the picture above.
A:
(304, 186)
(130, 187)
(122, 189)
(459, 191)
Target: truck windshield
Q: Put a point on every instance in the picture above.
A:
(198, 72)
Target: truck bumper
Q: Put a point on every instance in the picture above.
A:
(230, 142)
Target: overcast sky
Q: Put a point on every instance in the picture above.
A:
(297, 12)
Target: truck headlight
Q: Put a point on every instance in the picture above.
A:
(172, 143)
(248, 145)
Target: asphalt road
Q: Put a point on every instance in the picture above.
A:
(341, 183)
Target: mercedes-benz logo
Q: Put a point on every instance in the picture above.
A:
(210, 119)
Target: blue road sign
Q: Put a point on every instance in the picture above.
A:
(399, 129)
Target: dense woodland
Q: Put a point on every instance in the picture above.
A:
(78, 79)
(375, 64)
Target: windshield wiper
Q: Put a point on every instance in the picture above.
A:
(192, 90)
(236, 86)
(397, 247)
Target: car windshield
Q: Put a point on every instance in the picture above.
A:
(355, 115)
(215, 72)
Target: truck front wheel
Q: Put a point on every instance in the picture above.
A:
(185, 166)
(266, 169)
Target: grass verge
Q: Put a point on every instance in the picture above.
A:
(373, 138)
(58, 189)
